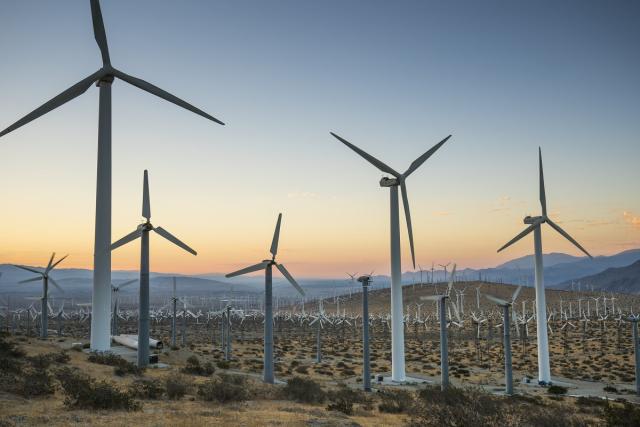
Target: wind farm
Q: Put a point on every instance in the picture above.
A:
(376, 320)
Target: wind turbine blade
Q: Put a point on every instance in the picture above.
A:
(515, 294)
(566, 235)
(30, 280)
(543, 196)
(432, 297)
(98, 31)
(148, 87)
(28, 269)
(53, 255)
(377, 163)
(526, 231)
(126, 239)
(146, 204)
(407, 214)
(173, 239)
(251, 269)
(276, 237)
(55, 285)
(127, 283)
(64, 97)
(57, 262)
(290, 278)
(420, 160)
(497, 300)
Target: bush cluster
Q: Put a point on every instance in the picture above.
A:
(194, 367)
(83, 392)
(121, 366)
(304, 390)
(147, 388)
(225, 388)
(395, 401)
(176, 385)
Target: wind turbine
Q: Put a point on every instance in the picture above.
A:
(366, 366)
(506, 326)
(267, 266)
(444, 342)
(398, 180)
(444, 266)
(115, 290)
(104, 77)
(142, 232)
(535, 225)
(44, 276)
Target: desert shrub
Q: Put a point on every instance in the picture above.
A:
(194, 367)
(455, 407)
(302, 369)
(225, 388)
(395, 401)
(35, 382)
(9, 349)
(610, 389)
(625, 415)
(344, 398)
(83, 392)
(43, 361)
(176, 386)
(223, 364)
(304, 390)
(147, 388)
(557, 390)
(121, 366)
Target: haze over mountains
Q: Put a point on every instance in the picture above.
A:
(619, 273)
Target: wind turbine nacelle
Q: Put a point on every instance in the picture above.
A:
(532, 219)
(365, 280)
(389, 182)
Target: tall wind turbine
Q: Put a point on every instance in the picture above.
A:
(398, 180)
(535, 225)
(142, 231)
(104, 77)
(267, 266)
(115, 290)
(44, 276)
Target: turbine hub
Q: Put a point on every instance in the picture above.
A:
(389, 182)
(533, 219)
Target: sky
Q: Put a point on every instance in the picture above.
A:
(394, 78)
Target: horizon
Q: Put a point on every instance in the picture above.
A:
(392, 79)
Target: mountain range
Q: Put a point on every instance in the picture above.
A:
(619, 272)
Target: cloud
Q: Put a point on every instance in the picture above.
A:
(631, 219)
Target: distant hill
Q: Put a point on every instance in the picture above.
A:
(618, 279)
(548, 260)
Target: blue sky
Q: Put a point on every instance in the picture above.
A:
(392, 77)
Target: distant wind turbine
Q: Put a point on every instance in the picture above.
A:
(101, 297)
(535, 224)
(267, 266)
(398, 180)
(142, 231)
(44, 276)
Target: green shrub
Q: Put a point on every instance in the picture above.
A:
(43, 361)
(625, 415)
(223, 364)
(83, 392)
(304, 390)
(35, 382)
(557, 390)
(395, 401)
(194, 367)
(225, 388)
(147, 388)
(176, 385)
(343, 399)
(121, 366)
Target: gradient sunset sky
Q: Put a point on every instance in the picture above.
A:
(394, 78)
